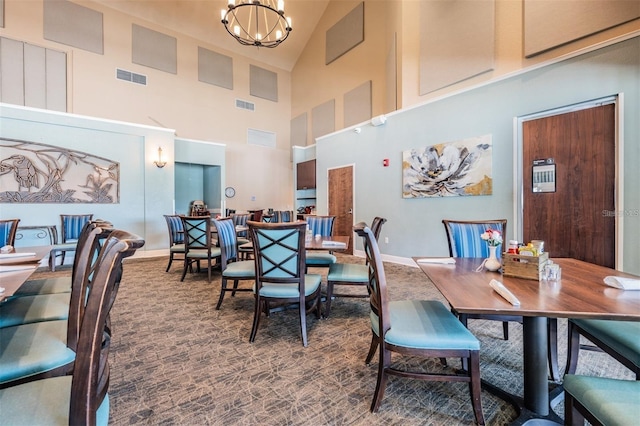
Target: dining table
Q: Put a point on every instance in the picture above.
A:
(580, 293)
(17, 266)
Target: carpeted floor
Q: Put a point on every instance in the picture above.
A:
(176, 360)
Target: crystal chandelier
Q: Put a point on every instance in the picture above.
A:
(259, 23)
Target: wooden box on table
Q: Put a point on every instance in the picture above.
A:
(520, 266)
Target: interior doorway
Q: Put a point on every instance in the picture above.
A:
(340, 186)
(568, 171)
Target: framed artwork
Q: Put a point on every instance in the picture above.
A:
(33, 172)
(453, 169)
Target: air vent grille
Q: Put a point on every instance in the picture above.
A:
(249, 106)
(131, 76)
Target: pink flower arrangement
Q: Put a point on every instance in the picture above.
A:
(493, 237)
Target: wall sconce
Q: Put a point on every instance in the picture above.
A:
(160, 164)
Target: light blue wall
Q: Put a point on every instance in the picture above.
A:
(146, 192)
(414, 226)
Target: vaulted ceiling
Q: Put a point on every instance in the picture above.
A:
(200, 19)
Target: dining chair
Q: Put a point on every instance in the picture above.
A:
(600, 401)
(80, 397)
(280, 272)
(232, 268)
(241, 219)
(464, 240)
(198, 244)
(619, 339)
(176, 237)
(8, 228)
(48, 348)
(415, 328)
(351, 274)
(71, 225)
(323, 226)
(25, 309)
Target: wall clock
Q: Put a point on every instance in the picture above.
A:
(229, 192)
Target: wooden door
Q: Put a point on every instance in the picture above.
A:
(577, 220)
(340, 185)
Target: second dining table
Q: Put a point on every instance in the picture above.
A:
(580, 293)
(17, 266)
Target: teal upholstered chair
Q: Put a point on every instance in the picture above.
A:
(80, 398)
(241, 219)
(176, 238)
(198, 244)
(320, 225)
(72, 225)
(281, 216)
(424, 328)
(280, 272)
(48, 348)
(25, 309)
(601, 401)
(619, 339)
(232, 268)
(8, 229)
(350, 273)
(464, 240)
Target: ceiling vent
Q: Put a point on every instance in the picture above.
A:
(131, 76)
(249, 106)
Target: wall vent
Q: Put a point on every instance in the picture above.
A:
(131, 76)
(249, 106)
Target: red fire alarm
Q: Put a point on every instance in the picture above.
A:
(385, 162)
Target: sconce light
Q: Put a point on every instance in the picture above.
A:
(379, 120)
(160, 164)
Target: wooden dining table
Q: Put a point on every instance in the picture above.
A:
(16, 267)
(580, 293)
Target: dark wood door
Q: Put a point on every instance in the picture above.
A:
(340, 185)
(578, 219)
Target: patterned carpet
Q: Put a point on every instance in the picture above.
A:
(176, 360)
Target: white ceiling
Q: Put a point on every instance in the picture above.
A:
(200, 19)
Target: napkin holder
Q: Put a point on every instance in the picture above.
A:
(528, 267)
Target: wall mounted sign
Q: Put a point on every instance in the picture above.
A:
(448, 169)
(544, 175)
(32, 172)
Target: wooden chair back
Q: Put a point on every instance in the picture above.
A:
(8, 229)
(322, 225)
(176, 230)
(90, 380)
(72, 225)
(227, 240)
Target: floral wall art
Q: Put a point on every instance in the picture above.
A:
(448, 169)
(32, 172)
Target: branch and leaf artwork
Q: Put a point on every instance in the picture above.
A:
(32, 172)
(453, 169)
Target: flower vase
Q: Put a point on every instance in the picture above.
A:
(492, 263)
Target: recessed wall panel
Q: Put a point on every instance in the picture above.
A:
(263, 83)
(346, 34)
(457, 41)
(2, 13)
(323, 119)
(74, 25)
(154, 49)
(549, 24)
(56, 80)
(12, 71)
(35, 76)
(357, 104)
(299, 130)
(214, 68)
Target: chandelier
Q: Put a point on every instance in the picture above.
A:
(259, 23)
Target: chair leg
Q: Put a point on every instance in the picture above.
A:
(256, 318)
(52, 261)
(475, 386)
(327, 304)
(372, 348)
(223, 288)
(572, 416)
(187, 265)
(235, 287)
(383, 362)
(170, 260)
(552, 349)
(505, 330)
(573, 348)
(303, 321)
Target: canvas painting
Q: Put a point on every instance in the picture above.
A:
(450, 169)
